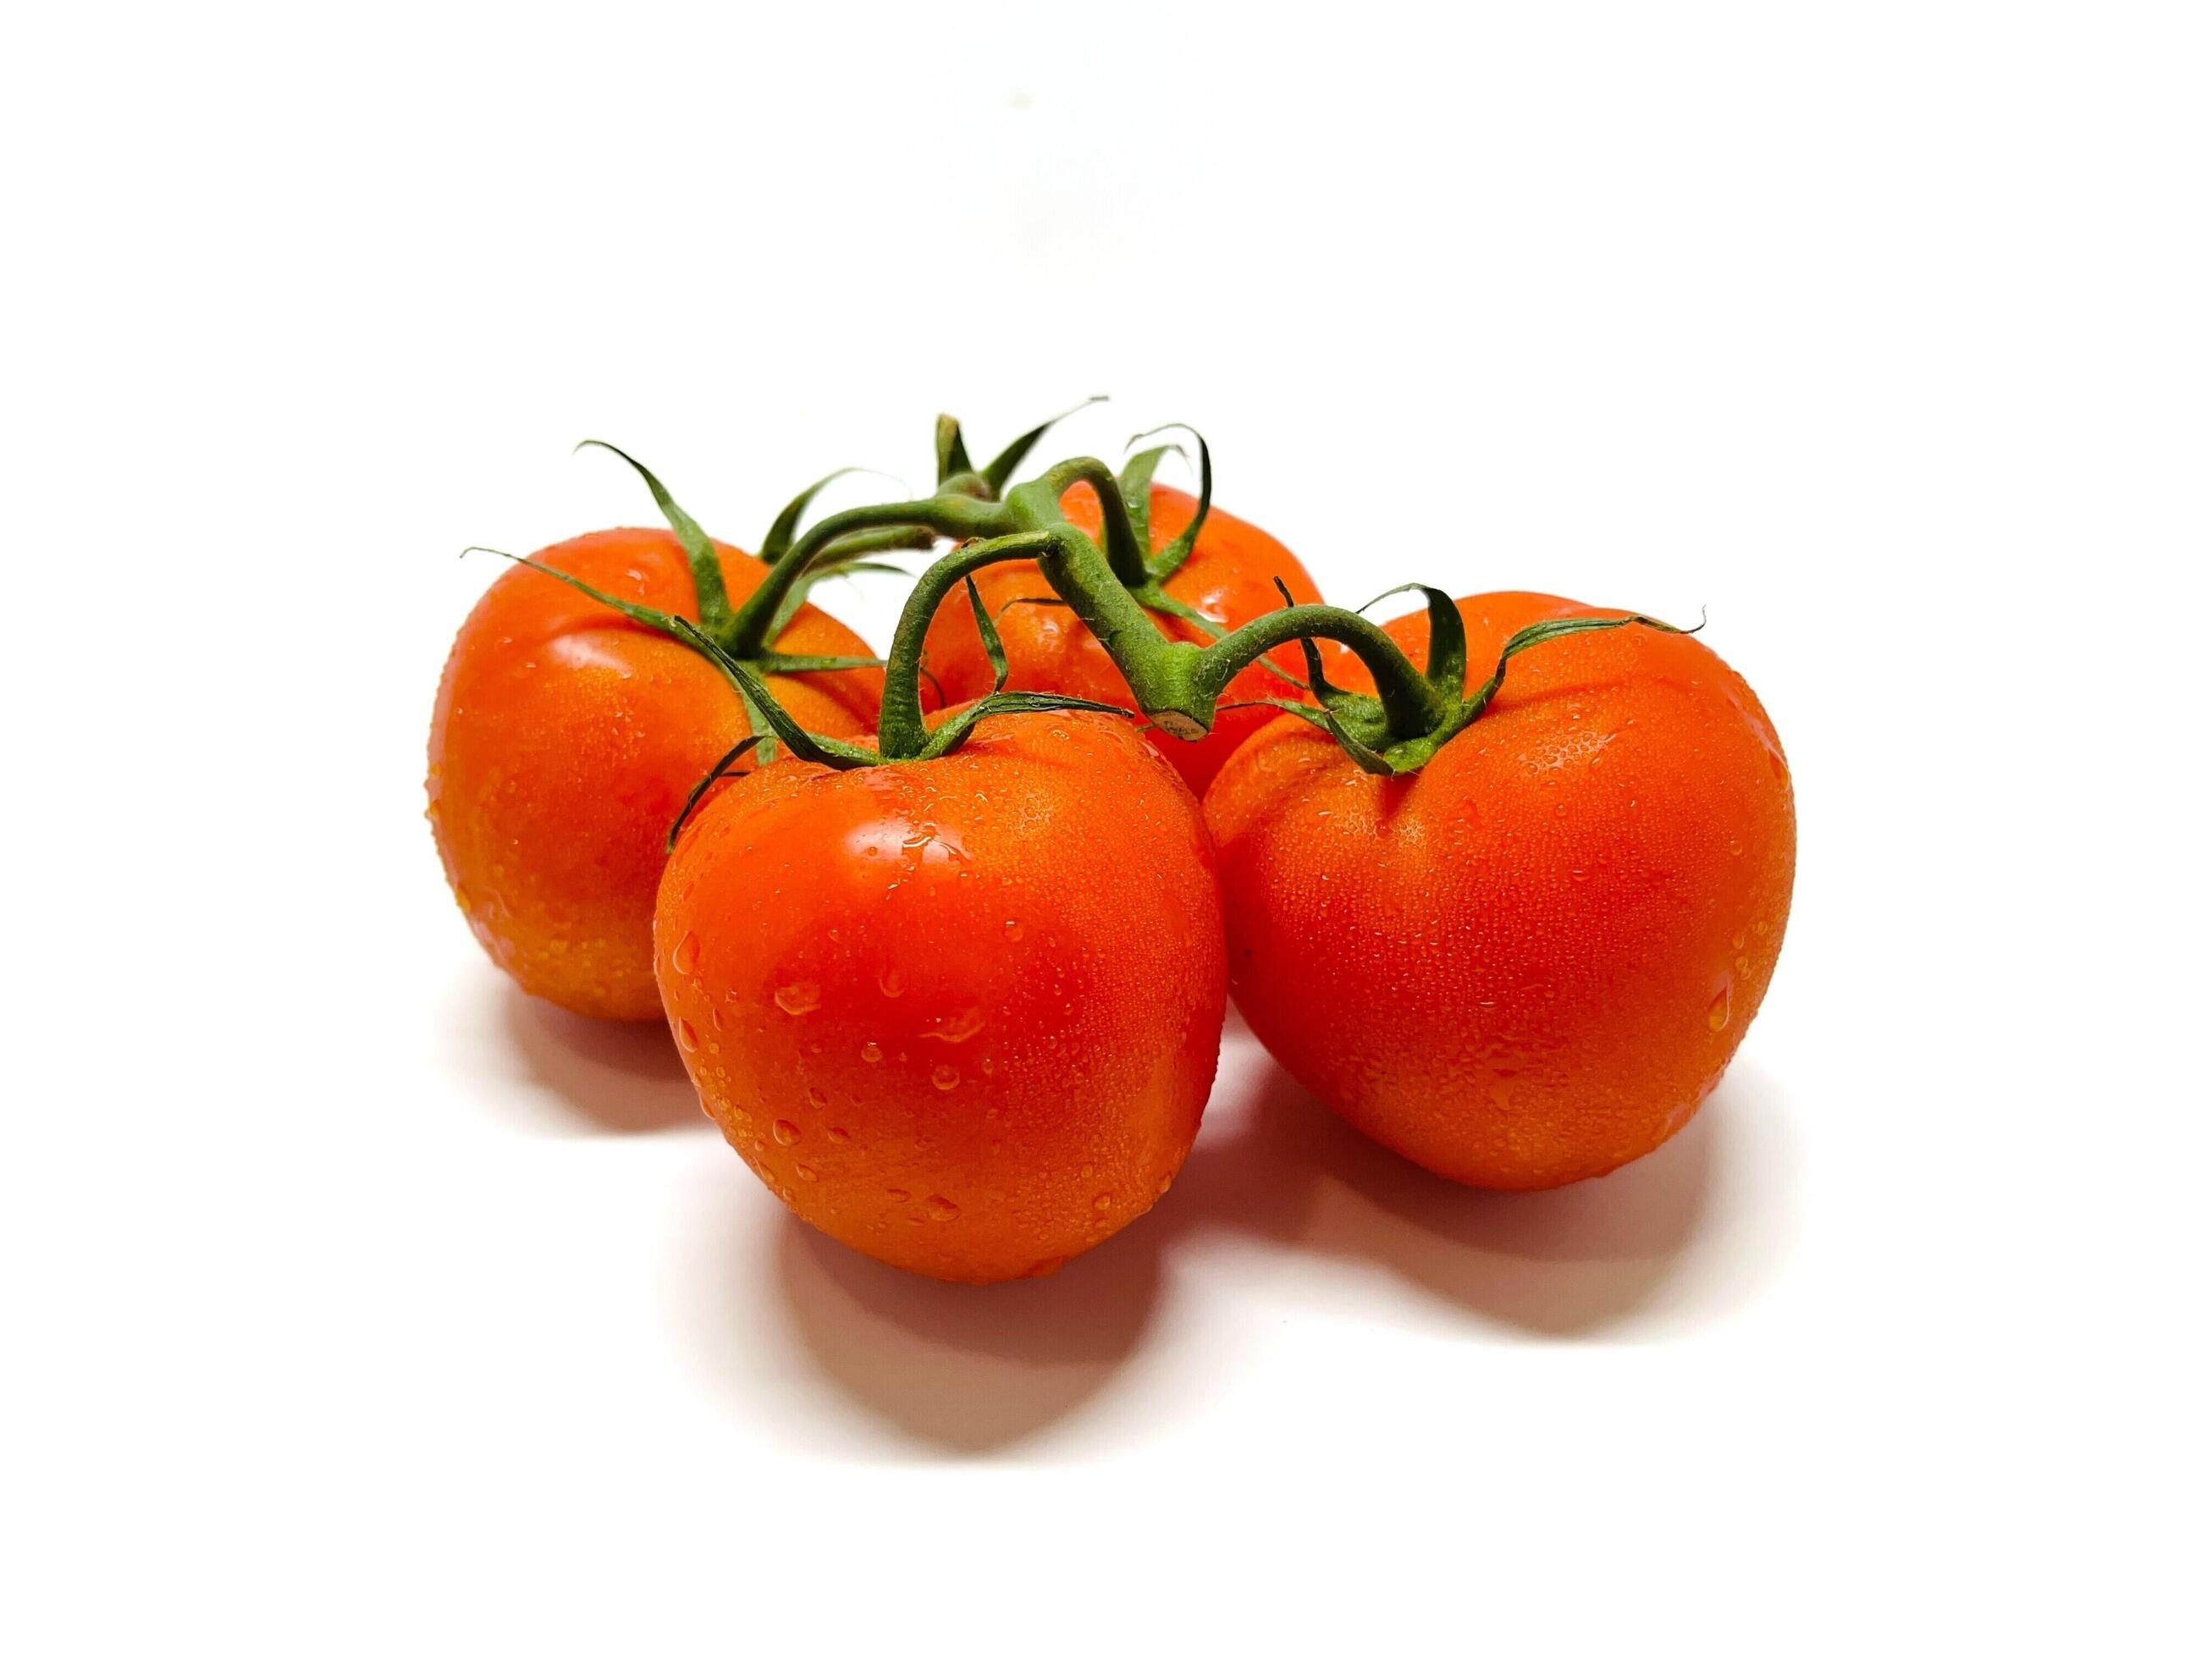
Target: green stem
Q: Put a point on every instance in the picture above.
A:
(1410, 704)
(747, 636)
(1123, 554)
(901, 732)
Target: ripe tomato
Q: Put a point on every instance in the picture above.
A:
(1230, 576)
(962, 1014)
(1527, 963)
(565, 739)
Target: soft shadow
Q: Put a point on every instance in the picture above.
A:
(614, 1077)
(1568, 1261)
(972, 1369)
(965, 1368)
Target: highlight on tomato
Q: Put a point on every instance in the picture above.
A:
(571, 717)
(1525, 959)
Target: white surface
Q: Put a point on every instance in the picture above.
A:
(352, 1305)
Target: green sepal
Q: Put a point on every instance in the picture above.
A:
(762, 709)
(1446, 668)
(1365, 712)
(785, 530)
(661, 621)
(953, 733)
(784, 662)
(1136, 482)
(993, 647)
(1537, 633)
(1172, 557)
(952, 451)
(706, 564)
(699, 789)
(1001, 466)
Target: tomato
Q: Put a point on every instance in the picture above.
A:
(565, 739)
(1527, 963)
(962, 1014)
(1230, 576)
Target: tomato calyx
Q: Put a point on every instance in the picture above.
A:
(1362, 725)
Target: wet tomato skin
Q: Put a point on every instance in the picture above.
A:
(961, 1014)
(564, 740)
(1230, 576)
(1529, 963)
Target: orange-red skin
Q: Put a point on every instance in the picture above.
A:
(1230, 576)
(564, 741)
(1527, 963)
(961, 1014)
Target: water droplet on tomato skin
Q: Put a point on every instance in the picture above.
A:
(686, 1037)
(898, 1194)
(1014, 929)
(961, 1027)
(800, 996)
(818, 1095)
(891, 982)
(1717, 1015)
(1103, 1203)
(839, 1137)
(685, 956)
(946, 1077)
(873, 1053)
(940, 1208)
(786, 1132)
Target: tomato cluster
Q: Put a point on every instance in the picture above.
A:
(946, 941)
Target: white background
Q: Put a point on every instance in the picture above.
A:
(352, 1303)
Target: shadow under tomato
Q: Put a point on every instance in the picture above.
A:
(973, 1370)
(965, 1368)
(1571, 1261)
(615, 1076)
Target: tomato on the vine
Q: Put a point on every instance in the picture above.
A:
(1528, 961)
(565, 738)
(961, 1013)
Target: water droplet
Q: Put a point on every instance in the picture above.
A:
(686, 1037)
(1735, 850)
(1166, 1182)
(1738, 940)
(871, 1052)
(898, 1194)
(800, 996)
(818, 1095)
(685, 956)
(1049, 1265)
(1743, 964)
(989, 1066)
(1090, 1169)
(1104, 1201)
(1717, 1015)
(785, 1131)
(939, 1207)
(890, 982)
(839, 1137)
(946, 1077)
(962, 1026)
(1013, 929)
(808, 1172)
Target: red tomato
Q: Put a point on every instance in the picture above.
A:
(962, 1014)
(565, 739)
(1527, 963)
(1230, 576)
